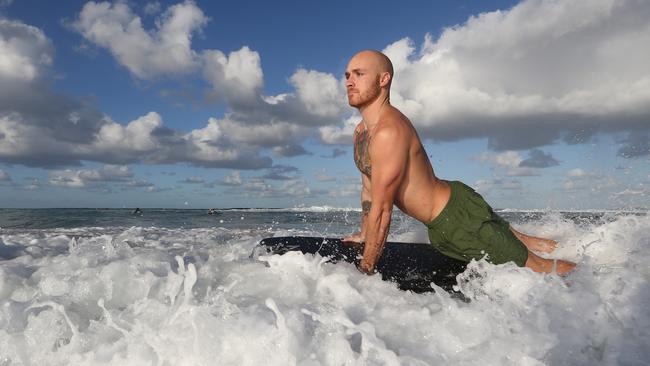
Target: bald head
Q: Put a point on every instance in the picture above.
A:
(368, 78)
(377, 59)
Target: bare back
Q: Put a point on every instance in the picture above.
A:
(420, 194)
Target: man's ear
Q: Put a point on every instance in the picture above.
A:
(384, 79)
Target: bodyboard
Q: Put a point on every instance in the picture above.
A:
(412, 266)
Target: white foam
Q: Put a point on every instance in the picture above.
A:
(194, 297)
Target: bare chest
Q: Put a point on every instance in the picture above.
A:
(361, 153)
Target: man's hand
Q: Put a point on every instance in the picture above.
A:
(363, 267)
(354, 240)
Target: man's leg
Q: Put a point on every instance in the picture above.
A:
(542, 265)
(534, 243)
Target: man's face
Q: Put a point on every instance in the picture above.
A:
(361, 82)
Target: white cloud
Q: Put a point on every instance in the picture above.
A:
(152, 8)
(147, 54)
(85, 177)
(139, 183)
(279, 172)
(526, 75)
(580, 179)
(134, 137)
(296, 188)
(577, 173)
(239, 76)
(233, 179)
(322, 176)
(487, 185)
(115, 172)
(25, 52)
(521, 77)
(321, 93)
(264, 134)
(340, 135)
(508, 160)
(236, 77)
(66, 178)
(346, 190)
(290, 150)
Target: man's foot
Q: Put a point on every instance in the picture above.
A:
(534, 243)
(543, 265)
(540, 245)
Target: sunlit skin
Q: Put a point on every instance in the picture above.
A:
(395, 169)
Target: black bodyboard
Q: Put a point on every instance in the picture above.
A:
(412, 266)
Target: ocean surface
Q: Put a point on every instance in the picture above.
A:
(181, 287)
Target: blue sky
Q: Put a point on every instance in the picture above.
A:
(536, 104)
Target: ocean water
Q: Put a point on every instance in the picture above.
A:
(180, 287)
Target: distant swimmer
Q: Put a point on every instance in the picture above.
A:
(137, 211)
(212, 211)
(395, 170)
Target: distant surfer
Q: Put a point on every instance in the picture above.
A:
(137, 211)
(395, 170)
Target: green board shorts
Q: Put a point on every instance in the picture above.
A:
(467, 228)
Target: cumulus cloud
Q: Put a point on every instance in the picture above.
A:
(530, 75)
(487, 185)
(336, 152)
(523, 77)
(152, 8)
(580, 179)
(238, 76)
(511, 161)
(25, 52)
(346, 190)
(341, 135)
(139, 183)
(539, 159)
(322, 176)
(259, 187)
(290, 150)
(319, 92)
(233, 179)
(279, 172)
(88, 177)
(147, 54)
(577, 173)
(39, 127)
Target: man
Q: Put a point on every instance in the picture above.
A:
(395, 170)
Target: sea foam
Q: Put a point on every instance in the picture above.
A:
(165, 296)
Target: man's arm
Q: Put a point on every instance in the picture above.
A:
(388, 153)
(366, 203)
(359, 238)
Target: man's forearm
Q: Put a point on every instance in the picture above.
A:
(365, 211)
(377, 226)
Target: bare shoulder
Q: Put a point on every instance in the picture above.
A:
(393, 124)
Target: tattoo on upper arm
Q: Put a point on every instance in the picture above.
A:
(365, 207)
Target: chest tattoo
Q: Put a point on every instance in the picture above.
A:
(361, 153)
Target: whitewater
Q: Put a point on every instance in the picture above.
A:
(180, 287)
